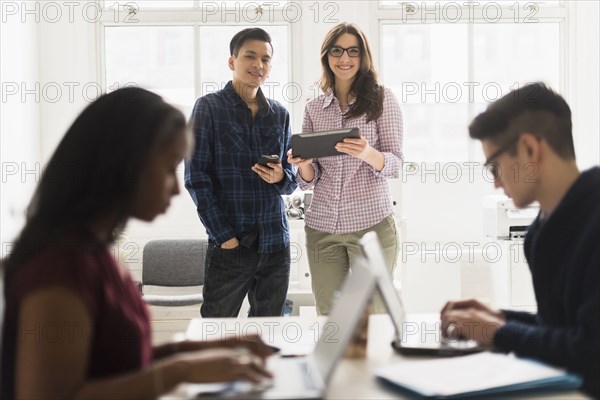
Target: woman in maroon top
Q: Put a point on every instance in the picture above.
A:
(75, 325)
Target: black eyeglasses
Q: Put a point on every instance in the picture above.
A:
(337, 51)
(491, 163)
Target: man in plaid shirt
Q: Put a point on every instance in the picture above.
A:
(239, 201)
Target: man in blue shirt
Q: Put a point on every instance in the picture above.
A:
(238, 200)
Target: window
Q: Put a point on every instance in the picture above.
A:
(156, 4)
(458, 57)
(179, 49)
(431, 3)
(157, 58)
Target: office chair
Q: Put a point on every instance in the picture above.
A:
(173, 263)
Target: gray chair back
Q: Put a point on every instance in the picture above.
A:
(178, 262)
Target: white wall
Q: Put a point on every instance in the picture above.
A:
(584, 80)
(19, 123)
(437, 210)
(68, 54)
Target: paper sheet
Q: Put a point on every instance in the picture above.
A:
(447, 377)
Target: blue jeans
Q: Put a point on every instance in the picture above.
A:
(231, 274)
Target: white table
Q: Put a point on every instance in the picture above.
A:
(351, 379)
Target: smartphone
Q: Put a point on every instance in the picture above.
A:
(264, 159)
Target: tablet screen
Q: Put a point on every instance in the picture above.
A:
(320, 144)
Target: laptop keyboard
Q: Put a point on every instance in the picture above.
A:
(459, 343)
(250, 387)
(294, 374)
(309, 381)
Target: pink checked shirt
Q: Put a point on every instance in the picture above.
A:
(350, 195)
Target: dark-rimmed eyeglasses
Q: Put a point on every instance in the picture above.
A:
(490, 162)
(337, 51)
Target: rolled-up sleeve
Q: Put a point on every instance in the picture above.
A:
(307, 126)
(198, 176)
(289, 183)
(390, 131)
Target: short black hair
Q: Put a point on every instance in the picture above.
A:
(240, 38)
(534, 108)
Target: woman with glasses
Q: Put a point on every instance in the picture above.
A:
(351, 194)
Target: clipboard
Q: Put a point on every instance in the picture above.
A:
(320, 144)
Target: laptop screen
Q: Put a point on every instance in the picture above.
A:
(371, 248)
(347, 311)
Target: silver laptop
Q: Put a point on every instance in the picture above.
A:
(307, 377)
(413, 336)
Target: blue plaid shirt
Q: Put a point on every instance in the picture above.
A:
(232, 200)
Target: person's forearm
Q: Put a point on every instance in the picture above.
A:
(172, 348)
(522, 316)
(168, 349)
(307, 173)
(216, 224)
(199, 185)
(375, 159)
(149, 383)
(567, 347)
(289, 183)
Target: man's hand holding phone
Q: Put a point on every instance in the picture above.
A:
(269, 168)
(265, 160)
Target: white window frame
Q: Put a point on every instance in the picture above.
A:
(402, 14)
(195, 17)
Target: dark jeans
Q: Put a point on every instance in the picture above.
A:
(230, 274)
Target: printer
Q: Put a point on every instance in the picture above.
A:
(505, 226)
(502, 220)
